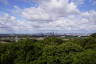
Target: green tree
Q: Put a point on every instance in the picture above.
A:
(86, 57)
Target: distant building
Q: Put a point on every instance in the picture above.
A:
(79, 36)
(62, 36)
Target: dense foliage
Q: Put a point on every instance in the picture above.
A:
(50, 50)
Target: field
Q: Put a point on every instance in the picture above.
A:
(49, 50)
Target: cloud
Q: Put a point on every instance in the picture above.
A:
(6, 23)
(50, 15)
(10, 24)
(50, 10)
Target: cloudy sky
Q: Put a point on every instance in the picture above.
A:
(36, 16)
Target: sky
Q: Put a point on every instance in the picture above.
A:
(43, 16)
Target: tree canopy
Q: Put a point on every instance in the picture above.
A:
(50, 50)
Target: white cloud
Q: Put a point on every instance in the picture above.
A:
(9, 24)
(51, 15)
(50, 10)
(35, 14)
